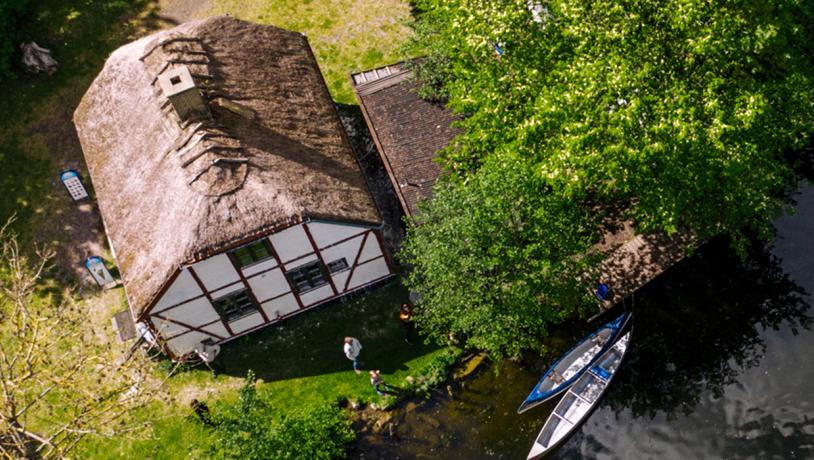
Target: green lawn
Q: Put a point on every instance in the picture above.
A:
(299, 362)
(346, 35)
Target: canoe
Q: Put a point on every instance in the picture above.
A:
(573, 363)
(576, 404)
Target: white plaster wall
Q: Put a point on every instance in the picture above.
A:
(369, 272)
(341, 278)
(245, 323)
(227, 290)
(183, 288)
(217, 329)
(167, 328)
(186, 343)
(348, 250)
(314, 296)
(371, 250)
(284, 305)
(259, 267)
(326, 233)
(268, 285)
(291, 243)
(216, 272)
(300, 262)
(194, 313)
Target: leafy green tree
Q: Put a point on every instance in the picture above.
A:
(10, 12)
(252, 429)
(681, 108)
(680, 113)
(497, 259)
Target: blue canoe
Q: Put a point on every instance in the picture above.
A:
(566, 370)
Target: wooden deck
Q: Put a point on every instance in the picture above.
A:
(640, 259)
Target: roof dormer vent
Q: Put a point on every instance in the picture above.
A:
(179, 87)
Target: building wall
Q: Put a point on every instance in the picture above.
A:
(184, 316)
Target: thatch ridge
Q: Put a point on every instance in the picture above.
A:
(267, 97)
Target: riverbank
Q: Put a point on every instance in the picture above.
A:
(717, 369)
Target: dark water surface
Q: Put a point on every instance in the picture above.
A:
(721, 366)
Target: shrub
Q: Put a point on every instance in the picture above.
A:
(251, 429)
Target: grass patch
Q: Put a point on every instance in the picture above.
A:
(346, 35)
(299, 364)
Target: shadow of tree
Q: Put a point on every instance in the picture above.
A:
(699, 326)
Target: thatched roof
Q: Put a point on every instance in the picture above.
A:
(272, 153)
(408, 130)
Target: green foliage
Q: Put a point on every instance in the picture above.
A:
(496, 259)
(676, 113)
(681, 108)
(435, 372)
(252, 429)
(10, 12)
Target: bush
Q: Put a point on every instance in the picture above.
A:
(435, 371)
(252, 429)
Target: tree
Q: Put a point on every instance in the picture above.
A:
(57, 383)
(683, 109)
(251, 429)
(679, 114)
(498, 259)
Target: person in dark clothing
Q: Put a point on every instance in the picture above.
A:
(406, 317)
(202, 411)
(382, 389)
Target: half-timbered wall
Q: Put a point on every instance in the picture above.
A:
(185, 316)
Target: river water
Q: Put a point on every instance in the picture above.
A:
(721, 366)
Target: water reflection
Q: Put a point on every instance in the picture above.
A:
(717, 369)
(701, 326)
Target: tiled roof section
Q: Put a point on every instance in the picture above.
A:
(408, 131)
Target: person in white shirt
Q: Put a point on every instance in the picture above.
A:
(352, 348)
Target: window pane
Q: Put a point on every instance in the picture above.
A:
(307, 277)
(243, 256)
(260, 251)
(234, 306)
(251, 253)
(338, 265)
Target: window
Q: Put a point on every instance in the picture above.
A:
(251, 253)
(235, 305)
(338, 265)
(307, 277)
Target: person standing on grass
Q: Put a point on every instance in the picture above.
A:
(406, 317)
(352, 348)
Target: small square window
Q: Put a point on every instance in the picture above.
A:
(307, 277)
(233, 306)
(338, 265)
(251, 253)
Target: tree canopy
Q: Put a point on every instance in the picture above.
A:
(679, 112)
(489, 255)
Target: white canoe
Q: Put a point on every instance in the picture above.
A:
(576, 404)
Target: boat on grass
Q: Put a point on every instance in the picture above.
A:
(573, 363)
(576, 404)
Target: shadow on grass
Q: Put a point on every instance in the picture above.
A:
(311, 343)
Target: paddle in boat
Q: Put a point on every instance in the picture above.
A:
(578, 401)
(570, 366)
